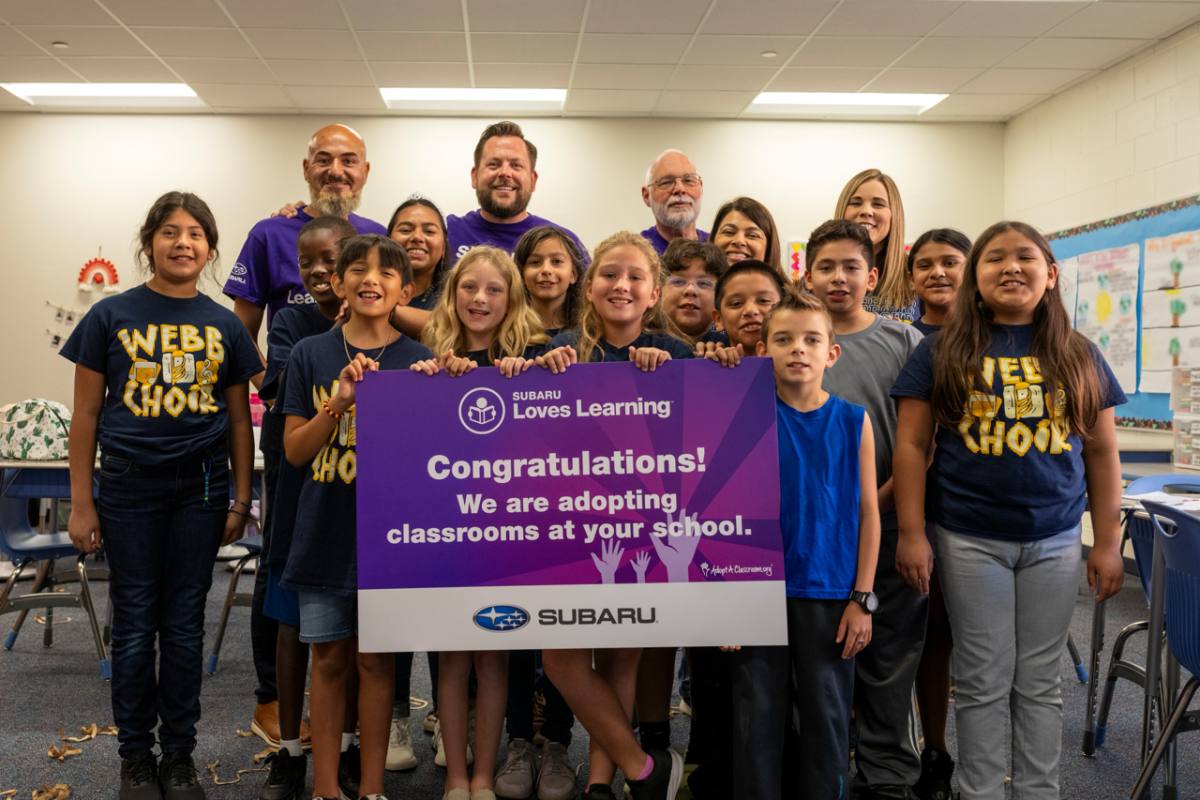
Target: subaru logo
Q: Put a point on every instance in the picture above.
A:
(481, 410)
(501, 618)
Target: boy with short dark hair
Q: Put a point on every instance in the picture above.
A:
(745, 293)
(692, 271)
(830, 526)
(840, 271)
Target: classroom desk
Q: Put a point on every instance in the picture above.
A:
(1133, 470)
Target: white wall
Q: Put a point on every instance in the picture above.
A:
(1124, 140)
(75, 183)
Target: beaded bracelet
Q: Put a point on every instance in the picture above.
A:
(239, 513)
(241, 503)
(325, 407)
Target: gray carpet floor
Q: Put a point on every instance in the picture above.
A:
(43, 690)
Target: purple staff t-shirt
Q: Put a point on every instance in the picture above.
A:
(471, 230)
(267, 272)
(655, 238)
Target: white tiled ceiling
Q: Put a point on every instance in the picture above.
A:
(671, 58)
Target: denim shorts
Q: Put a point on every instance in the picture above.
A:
(327, 617)
(280, 604)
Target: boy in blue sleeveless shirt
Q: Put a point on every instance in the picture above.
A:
(830, 522)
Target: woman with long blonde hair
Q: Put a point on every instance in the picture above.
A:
(872, 200)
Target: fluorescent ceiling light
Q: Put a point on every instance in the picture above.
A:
(105, 94)
(843, 104)
(474, 99)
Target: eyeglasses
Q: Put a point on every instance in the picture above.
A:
(703, 285)
(689, 181)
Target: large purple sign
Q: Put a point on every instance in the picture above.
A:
(601, 507)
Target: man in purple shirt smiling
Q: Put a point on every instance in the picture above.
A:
(267, 274)
(673, 191)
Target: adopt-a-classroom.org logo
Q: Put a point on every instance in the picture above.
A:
(501, 618)
(481, 410)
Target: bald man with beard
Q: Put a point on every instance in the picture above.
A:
(673, 191)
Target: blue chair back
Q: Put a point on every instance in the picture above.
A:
(1181, 556)
(1141, 531)
(18, 539)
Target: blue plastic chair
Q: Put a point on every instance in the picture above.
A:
(254, 546)
(1181, 558)
(26, 547)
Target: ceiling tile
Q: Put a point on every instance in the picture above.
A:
(964, 52)
(933, 80)
(523, 48)
(886, 18)
(287, 14)
(421, 75)
(1073, 53)
(196, 42)
(54, 12)
(1021, 81)
(781, 17)
(981, 105)
(996, 18)
(121, 70)
(851, 51)
(621, 76)
(1128, 20)
(816, 79)
(14, 44)
(520, 16)
(243, 96)
(705, 102)
(388, 46)
(610, 100)
(35, 70)
(86, 41)
(221, 70)
(601, 48)
(404, 15)
(327, 73)
(744, 51)
(522, 76)
(639, 16)
(313, 45)
(335, 97)
(196, 13)
(722, 78)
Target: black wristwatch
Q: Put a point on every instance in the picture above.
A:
(868, 601)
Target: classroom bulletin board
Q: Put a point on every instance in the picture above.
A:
(1132, 284)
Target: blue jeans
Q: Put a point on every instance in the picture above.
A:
(162, 540)
(1010, 606)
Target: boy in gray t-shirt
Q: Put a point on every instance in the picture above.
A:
(840, 271)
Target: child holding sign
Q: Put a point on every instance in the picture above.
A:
(373, 276)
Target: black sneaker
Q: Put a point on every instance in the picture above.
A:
(664, 779)
(177, 773)
(599, 791)
(936, 770)
(139, 777)
(350, 772)
(285, 781)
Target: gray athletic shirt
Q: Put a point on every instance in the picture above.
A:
(870, 362)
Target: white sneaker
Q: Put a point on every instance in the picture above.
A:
(440, 758)
(400, 753)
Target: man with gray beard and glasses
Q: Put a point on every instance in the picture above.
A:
(673, 191)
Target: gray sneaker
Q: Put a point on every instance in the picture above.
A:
(517, 777)
(556, 777)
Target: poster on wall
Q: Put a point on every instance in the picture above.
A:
(1170, 308)
(1106, 308)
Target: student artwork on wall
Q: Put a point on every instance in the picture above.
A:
(1106, 309)
(1171, 308)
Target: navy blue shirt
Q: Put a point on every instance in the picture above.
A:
(1013, 468)
(662, 341)
(660, 244)
(480, 357)
(426, 301)
(924, 327)
(324, 552)
(288, 327)
(167, 362)
(819, 490)
(714, 335)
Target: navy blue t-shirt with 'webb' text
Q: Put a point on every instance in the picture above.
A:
(324, 553)
(1013, 468)
(167, 362)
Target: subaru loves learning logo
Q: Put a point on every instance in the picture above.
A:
(239, 269)
(481, 410)
(501, 618)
